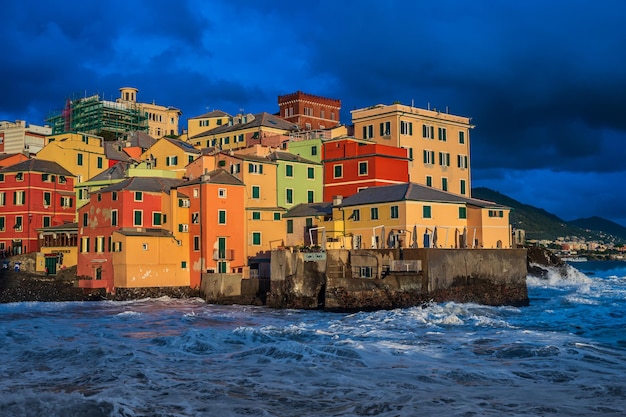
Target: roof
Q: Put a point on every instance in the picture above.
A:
(146, 184)
(71, 227)
(214, 113)
(140, 139)
(260, 120)
(413, 192)
(116, 172)
(218, 176)
(290, 157)
(38, 165)
(187, 147)
(310, 209)
(115, 151)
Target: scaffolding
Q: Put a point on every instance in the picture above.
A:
(94, 116)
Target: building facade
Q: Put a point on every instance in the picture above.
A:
(22, 137)
(308, 111)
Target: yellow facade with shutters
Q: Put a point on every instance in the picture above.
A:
(171, 155)
(437, 142)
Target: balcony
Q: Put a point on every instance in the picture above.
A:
(224, 255)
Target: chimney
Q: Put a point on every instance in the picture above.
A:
(337, 200)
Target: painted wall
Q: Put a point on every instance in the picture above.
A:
(82, 155)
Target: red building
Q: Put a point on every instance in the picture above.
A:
(136, 203)
(33, 194)
(309, 112)
(354, 164)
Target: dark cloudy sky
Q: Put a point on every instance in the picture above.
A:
(544, 81)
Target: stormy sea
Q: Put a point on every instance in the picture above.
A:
(564, 355)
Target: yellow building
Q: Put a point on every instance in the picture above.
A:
(171, 155)
(162, 121)
(413, 215)
(81, 154)
(245, 133)
(207, 121)
(437, 142)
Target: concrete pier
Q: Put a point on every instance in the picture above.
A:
(371, 279)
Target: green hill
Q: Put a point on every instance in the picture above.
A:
(539, 224)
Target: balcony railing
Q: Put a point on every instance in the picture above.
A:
(224, 255)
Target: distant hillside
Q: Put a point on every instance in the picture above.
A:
(539, 224)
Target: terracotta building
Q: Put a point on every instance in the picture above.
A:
(309, 112)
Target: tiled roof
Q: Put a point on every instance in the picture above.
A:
(116, 172)
(288, 156)
(38, 165)
(147, 184)
(115, 151)
(187, 147)
(218, 176)
(310, 209)
(154, 232)
(410, 191)
(214, 113)
(260, 119)
(140, 139)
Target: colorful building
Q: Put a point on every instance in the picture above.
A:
(437, 142)
(126, 238)
(58, 247)
(81, 154)
(414, 215)
(216, 225)
(240, 135)
(351, 165)
(171, 155)
(308, 111)
(162, 120)
(298, 180)
(33, 194)
(207, 121)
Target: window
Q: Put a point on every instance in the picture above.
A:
(196, 243)
(310, 173)
(221, 192)
(256, 192)
(406, 128)
(1, 177)
(289, 196)
(144, 246)
(195, 218)
(429, 157)
(444, 159)
(363, 168)
(428, 132)
(385, 129)
(45, 177)
(3, 198)
(18, 223)
(99, 162)
(19, 198)
(47, 197)
(426, 212)
(62, 179)
(444, 184)
(395, 213)
(156, 219)
(374, 213)
(429, 181)
(183, 202)
(368, 131)
(85, 219)
(235, 168)
(462, 213)
(113, 217)
(256, 238)
(256, 215)
(137, 217)
(84, 245)
(276, 216)
(2, 224)
(462, 186)
(196, 192)
(289, 170)
(365, 272)
(313, 150)
(171, 161)
(99, 197)
(356, 215)
(255, 168)
(308, 222)
(462, 137)
(183, 264)
(138, 196)
(442, 134)
(310, 196)
(183, 228)
(100, 244)
(290, 226)
(79, 159)
(496, 213)
(461, 161)
(338, 171)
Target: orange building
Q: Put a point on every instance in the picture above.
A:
(217, 224)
